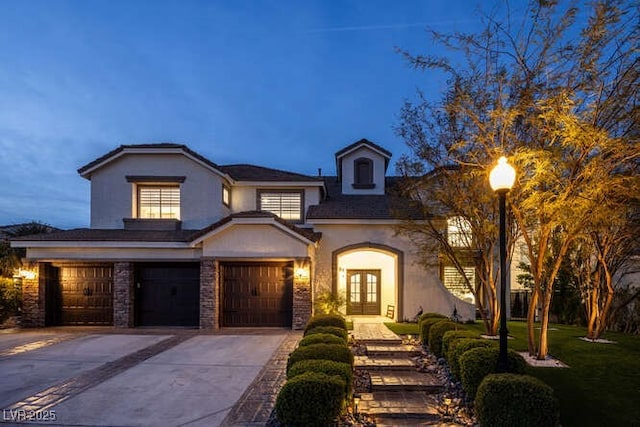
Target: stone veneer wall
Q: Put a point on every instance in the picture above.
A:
(123, 295)
(33, 298)
(209, 294)
(301, 302)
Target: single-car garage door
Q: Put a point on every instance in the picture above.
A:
(82, 296)
(257, 294)
(167, 294)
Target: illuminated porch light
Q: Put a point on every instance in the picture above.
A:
(502, 176)
(302, 273)
(26, 274)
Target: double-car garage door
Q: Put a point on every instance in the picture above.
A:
(252, 294)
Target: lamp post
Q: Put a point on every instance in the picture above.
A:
(501, 178)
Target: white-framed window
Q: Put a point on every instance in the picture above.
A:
(459, 234)
(456, 283)
(158, 201)
(363, 173)
(226, 195)
(287, 204)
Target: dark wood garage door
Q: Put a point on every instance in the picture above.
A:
(83, 296)
(167, 294)
(257, 294)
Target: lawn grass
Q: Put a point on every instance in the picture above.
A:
(601, 385)
(403, 328)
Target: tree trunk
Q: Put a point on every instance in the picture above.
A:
(543, 347)
(531, 320)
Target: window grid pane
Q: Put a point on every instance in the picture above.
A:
(456, 284)
(355, 288)
(372, 288)
(459, 232)
(287, 206)
(159, 202)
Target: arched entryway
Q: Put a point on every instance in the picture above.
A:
(370, 276)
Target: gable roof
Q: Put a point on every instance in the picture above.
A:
(246, 172)
(165, 147)
(357, 145)
(247, 216)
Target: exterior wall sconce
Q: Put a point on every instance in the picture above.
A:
(26, 274)
(302, 273)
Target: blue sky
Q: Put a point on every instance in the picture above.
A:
(283, 84)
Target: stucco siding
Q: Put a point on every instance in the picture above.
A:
(254, 241)
(112, 197)
(421, 285)
(348, 172)
(113, 254)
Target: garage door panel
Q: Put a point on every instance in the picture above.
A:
(168, 294)
(86, 295)
(256, 294)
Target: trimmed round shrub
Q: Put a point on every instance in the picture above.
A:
(321, 339)
(450, 336)
(335, 352)
(477, 363)
(326, 320)
(435, 335)
(458, 347)
(426, 325)
(333, 330)
(425, 316)
(310, 399)
(505, 400)
(328, 367)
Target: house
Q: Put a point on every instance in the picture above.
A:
(178, 240)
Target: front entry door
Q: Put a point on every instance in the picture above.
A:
(363, 292)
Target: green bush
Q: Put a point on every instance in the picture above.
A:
(310, 399)
(435, 335)
(426, 325)
(508, 400)
(450, 336)
(425, 316)
(10, 297)
(328, 367)
(477, 363)
(335, 352)
(458, 347)
(326, 320)
(321, 339)
(333, 330)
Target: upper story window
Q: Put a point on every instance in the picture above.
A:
(363, 173)
(226, 195)
(158, 201)
(458, 284)
(459, 234)
(288, 205)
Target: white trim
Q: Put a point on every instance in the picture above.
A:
(156, 150)
(253, 221)
(98, 244)
(363, 144)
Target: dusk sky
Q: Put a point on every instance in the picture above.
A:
(282, 84)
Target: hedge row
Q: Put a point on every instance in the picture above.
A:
(505, 399)
(319, 375)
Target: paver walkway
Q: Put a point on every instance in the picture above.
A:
(400, 394)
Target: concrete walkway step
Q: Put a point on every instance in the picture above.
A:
(393, 350)
(415, 405)
(405, 381)
(375, 363)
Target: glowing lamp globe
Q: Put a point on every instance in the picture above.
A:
(502, 176)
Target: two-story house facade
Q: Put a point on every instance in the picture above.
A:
(177, 240)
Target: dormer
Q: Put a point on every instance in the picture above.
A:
(362, 167)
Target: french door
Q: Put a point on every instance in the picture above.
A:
(363, 292)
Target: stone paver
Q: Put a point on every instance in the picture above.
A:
(386, 363)
(399, 404)
(405, 381)
(374, 333)
(392, 350)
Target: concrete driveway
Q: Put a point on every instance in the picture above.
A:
(132, 379)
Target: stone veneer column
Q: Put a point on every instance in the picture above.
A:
(33, 298)
(209, 294)
(301, 302)
(123, 293)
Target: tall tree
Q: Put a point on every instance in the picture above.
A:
(559, 97)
